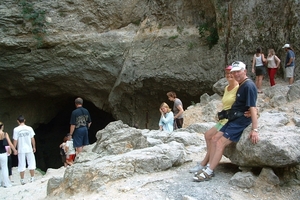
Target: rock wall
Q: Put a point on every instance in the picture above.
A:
(125, 56)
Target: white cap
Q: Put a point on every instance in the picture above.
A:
(237, 66)
(286, 46)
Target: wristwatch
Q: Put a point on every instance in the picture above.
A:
(255, 129)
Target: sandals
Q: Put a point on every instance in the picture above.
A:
(202, 170)
(199, 178)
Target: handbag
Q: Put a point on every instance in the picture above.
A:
(223, 114)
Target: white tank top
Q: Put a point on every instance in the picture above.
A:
(258, 61)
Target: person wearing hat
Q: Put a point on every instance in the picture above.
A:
(246, 98)
(227, 101)
(289, 63)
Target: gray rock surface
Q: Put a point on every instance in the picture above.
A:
(124, 57)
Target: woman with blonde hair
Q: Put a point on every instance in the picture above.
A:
(273, 65)
(227, 100)
(166, 119)
(5, 141)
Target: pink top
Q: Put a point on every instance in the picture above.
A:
(8, 150)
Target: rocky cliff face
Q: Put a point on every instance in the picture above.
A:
(123, 57)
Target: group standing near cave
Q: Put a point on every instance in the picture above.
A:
(23, 145)
(271, 63)
(239, 111)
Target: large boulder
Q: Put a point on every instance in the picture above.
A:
(96, 172)
(277, 146)
(117, 138)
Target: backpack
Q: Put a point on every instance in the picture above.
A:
(62, 151)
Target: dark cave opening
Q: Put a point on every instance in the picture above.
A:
(49, 136)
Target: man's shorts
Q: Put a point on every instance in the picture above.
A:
(81, 137)
(233, 130)
(289, 71)
(260, 70)
(22, 157)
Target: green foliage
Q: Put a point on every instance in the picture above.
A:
(202, 29)
(211, 31)
(213, 38)
(191, 45)
(173, 37)
(259, 24)
(159, 26)
(36, 18)
(137, 22)
(179, 29)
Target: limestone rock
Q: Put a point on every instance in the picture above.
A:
(124, 57)
(243, 180)
(269, 176)
(117, 138)
(99, 171)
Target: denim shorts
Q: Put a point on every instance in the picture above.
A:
(81, 137)
(233, 130)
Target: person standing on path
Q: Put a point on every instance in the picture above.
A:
(177, 110)
(80, 122)
(273, 65)
(258, 68)
(289, 63)
(4, 142)
(70, 151)
(24, 141)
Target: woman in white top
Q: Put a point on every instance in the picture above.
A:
(273, 65)
(259, 70)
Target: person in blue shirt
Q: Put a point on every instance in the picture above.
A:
(289, 63)
(246, 98)
(79, 124)
(167, 118)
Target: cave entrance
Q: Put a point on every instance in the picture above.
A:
(49, 136)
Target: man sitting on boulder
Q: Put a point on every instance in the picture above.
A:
(246, 97)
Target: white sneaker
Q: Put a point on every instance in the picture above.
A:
(31, 179)
(22, 182)
(197, 168)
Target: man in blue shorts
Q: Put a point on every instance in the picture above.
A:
(246, 97)
(79, 124)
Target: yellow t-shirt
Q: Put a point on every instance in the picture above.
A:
(228, 99)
